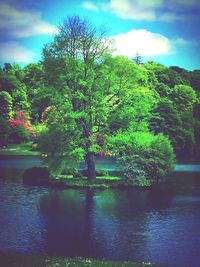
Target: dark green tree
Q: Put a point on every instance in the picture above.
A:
(167, 120)
(5, 105)
(38, 96)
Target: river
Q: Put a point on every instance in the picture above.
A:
(159, 225)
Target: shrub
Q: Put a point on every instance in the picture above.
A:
(14, 123)
(37, 130)
(19, 135)
(19, 131)
(21, 115)
(145, 159)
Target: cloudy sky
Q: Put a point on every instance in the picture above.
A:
(167, 31)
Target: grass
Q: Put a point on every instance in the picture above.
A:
(16, 260)
(101, 182)
(106, 178)
(23, 149)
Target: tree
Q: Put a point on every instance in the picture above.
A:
(74, 74)
(184, 97)
(194, 77)
(38, 96)
(4, 132)
(10, 78)
(138, 59)
(20, 100)
(5, 105)
(130, 99)
(167, 120)
(165, 75)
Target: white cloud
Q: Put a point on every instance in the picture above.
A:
(14, 52)
(143, 42)
(181, 41)
(90, 6)
(172, 16)
(23, 23)
(149, 10)
(131, 10)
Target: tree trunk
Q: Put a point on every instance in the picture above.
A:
(91, 172)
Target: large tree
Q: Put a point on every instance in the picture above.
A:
(76, 78)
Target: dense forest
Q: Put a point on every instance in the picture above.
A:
(81, 101)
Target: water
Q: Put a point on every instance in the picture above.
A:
(161, 225)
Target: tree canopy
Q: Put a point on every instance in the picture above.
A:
(81, 101)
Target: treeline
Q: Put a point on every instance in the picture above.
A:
(23, 97)
(80, 101)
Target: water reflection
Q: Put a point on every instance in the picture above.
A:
(159, 225)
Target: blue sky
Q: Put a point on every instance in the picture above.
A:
(166, 31)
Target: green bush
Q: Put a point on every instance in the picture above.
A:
(37, 130)
(146, 159)
(19, 135)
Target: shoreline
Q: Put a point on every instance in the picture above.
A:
(9, 259)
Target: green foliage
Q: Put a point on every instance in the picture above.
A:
(19, 135)
(197, 137)
(143, 158)
(38, 96)
(61, 146)
(20, 100)
(167, 120)
(194, 78)
(8, 79)
(5, 105)
(165, 75)
(184, 97)
(37, 130)
(163, 89)
(130, 99)
(11, 81)
(81, 100)
(4, 132)
(74, 74)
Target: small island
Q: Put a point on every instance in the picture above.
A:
(82, 103)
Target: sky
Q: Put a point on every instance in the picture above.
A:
(165, 31)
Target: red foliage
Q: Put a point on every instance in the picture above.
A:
(15, 123)
(21, 116)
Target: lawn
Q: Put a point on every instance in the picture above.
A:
(24, 149)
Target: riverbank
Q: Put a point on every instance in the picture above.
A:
(24, 149)
(16, 260)
(100, 182)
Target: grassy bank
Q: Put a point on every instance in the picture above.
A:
(101, 182)
(15, 260)
(24, 149)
